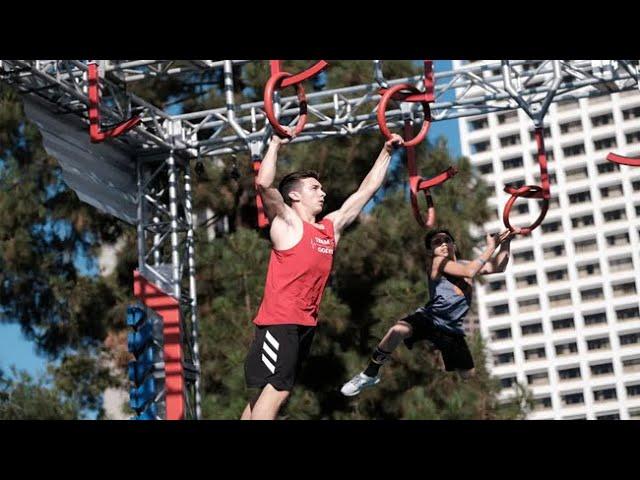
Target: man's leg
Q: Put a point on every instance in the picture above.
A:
(268, 404)
(246, 414)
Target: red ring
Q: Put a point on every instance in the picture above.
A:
(272, 85)
(621, 159)
(526, 191)
(382, 108)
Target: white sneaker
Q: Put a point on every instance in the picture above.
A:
(359, 383)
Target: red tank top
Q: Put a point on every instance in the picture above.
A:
(296, 278)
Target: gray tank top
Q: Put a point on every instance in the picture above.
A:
(449, 303)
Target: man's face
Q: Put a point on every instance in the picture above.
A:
(442, 246)
(310, 195)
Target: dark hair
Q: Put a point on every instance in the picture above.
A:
(290, 182)
(432, 233)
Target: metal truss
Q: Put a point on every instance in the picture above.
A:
(166, 252)
(478, 89)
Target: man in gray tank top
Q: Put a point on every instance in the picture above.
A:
(440, 320)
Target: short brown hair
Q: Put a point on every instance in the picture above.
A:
(290, 182)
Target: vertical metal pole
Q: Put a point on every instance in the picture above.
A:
(188, 207)
(173, 210)
(141, 219)
(156, 240)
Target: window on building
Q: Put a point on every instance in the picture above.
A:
(585, 246)
(552, 179)
(566, 348)
(507, 382)
(608, 167)
(591, 294)
(563, 105)
(501, 333)
(601, 369)
(631, 113)
(615, 215)
(633, 390)
(485, 168)
(529, 305)
(575, 174)
(620, 264)
(622, 289)
(635, 185)
(598, 344)
(608, 416)
(542, 403)
(570, 373)
(512, 163)
(580, 197)
(502, 309)
(604, 394)
(523, 257)
(552, 226)
(573, 398)
(497, 285)
(503, 358)
(522, 208)
(478, 124)
(604, 119)
(480, 147)
(514, 183)
(630, 365)
(618, 239)
(612, 191)
(563, 323)
(588, 270)
(631, 313)
(605, 143)
(536, 353)
(528, 280)
(553, 251)
(629, 338)
(573, 150)
(538, 378)
(531, 329)
(508, 117)
(598, 318)
(554, 202)
(559, 275)
(509, 140)
(571, 126)
(560, 300)
(582, 221)
(633, 137)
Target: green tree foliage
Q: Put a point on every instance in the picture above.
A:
(24, 398)
(48, 244)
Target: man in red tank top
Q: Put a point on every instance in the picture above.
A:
(299, 267)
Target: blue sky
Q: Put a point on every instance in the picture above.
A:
(15, 350)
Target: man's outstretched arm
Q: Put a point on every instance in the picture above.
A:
(353, 205)
(274, 205)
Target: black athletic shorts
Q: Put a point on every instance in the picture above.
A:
(276, 354)
(454, 348)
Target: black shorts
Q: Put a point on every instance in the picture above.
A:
(454, 348)
(276, 354)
